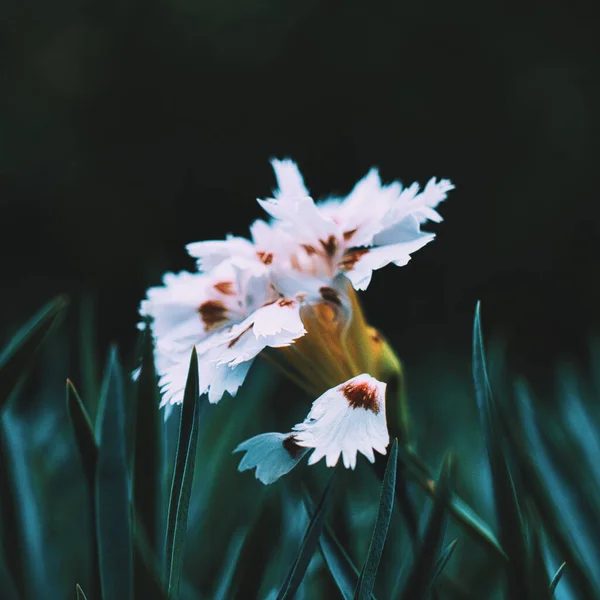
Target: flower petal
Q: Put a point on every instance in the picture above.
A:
(289, 180)
(346, 419)
(272, 454)
(359, 263)
(213, 252)
(276, 325)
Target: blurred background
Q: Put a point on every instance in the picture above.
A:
(128, 129)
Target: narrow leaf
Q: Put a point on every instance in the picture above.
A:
(423, 572)
(148, 584)
(147, 464)
(510, 522)
(366, 581)
(458, 508)
(308, 546)
(84, 432)
(113, 511)
(183, 476)
(80, 594)
(342, 569)
(439, 566)
(88, 451)
(18, 356)
(230, 563)
(557, 577)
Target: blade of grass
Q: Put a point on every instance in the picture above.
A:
(557, 577)
(27, 509)
(84, 432)
(88, 361)
(458, 508)
(368, 574)
(18, 356)
(224, 587)
(147, 462)
(532, 460)
(342, 569)
(309, 545)
(440, 565)
(148, 584)
(183, 476)
(88, 451)
(510, 521)
(113, 510)
(423, 572)
(80, 594)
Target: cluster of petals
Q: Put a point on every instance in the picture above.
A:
(248, 294)
(345, 420)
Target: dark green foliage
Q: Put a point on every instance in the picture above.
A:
(309, 545)
(112, 492)
(366, 580)
(224, 535)
(17, 358)
(183, 476)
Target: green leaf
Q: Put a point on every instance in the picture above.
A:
(458, 508)
(17, 358)
(340, 565)
(309, 544)
(147, 583)
(80, 594)
(183, 476)
(538, 575)
(368, 574)
(510, 522)
(557, 577)
(230, 563)
(84, 433)
(88, 451)
(113, 510)
(441, 563)
(530, 460)
(22, 503)
(147, 462)
(342, 569)
(423, 573)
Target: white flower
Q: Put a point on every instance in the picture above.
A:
(346, 419)
(375, 225)
(230, 314)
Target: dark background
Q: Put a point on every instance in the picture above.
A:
(128, 129)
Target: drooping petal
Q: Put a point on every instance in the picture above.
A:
(272, 454)
(276, 325)
(289, 180)
(359, 263)
(346, 419)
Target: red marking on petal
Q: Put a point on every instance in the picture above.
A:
(330, 295)
(310, 250)
(330, 245)
(236, 339)
(212, 313)
(286, 302)
(361, 395)
(265, 257)
(351, 257)
(292, 448)
(348, 234)
(225, 287)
